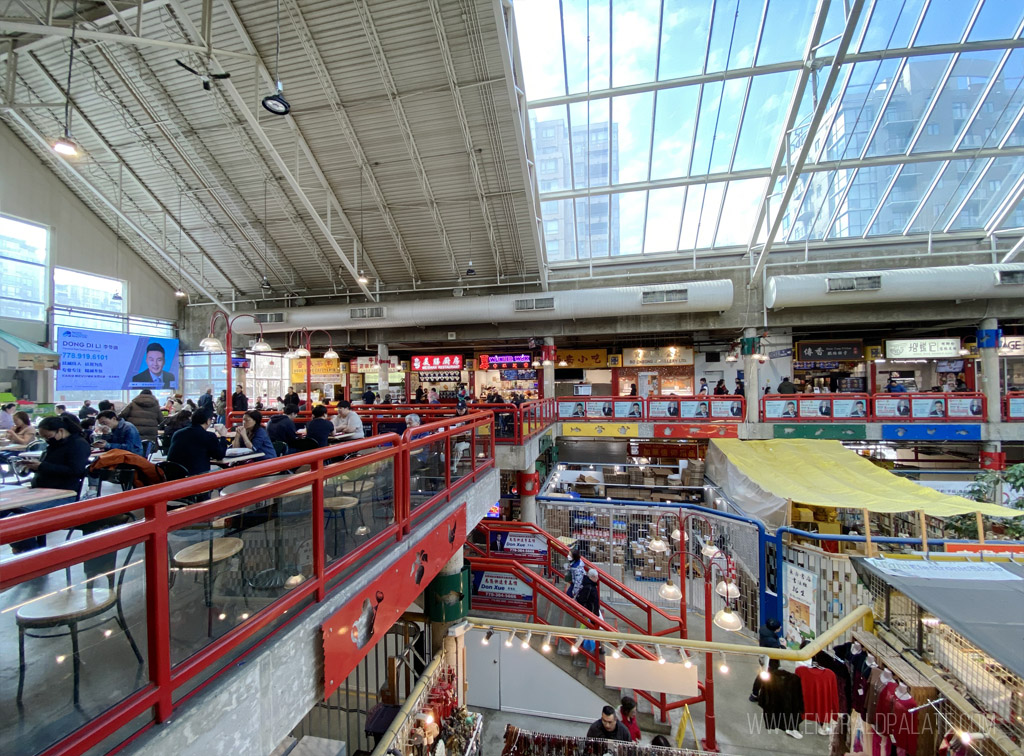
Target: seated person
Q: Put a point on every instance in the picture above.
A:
(121, 435)
(173, 424)
(22, 432)
(252, 435)
(282, 427)
(347, 424)
(193, 447)
(319, 428)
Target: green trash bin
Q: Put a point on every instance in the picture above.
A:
(448, 597)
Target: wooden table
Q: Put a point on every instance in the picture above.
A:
(17, 497)
(237, 460)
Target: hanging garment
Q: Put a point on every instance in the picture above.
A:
(781, 700)
(843, 679)
(873, 689)
(904, 724)
(882, 721)
(820, 693)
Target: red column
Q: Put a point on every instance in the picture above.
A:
(710, 743)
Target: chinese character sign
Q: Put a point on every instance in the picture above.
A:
(921, 348)
(801, 591)
(99, 360)
(422, 363)
(584, 358)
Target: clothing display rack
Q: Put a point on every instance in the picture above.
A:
(519, 742)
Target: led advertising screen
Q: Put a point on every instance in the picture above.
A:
(104, 361)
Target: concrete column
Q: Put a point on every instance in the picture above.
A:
(439, 630)
(549, 373)
(751, 384)
(528, 508)
(990, 370)
(382, 369)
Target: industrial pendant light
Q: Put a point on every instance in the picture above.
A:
(179, 292)
(276, 103)
(65, 145)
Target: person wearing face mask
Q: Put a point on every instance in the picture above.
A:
(61, 466)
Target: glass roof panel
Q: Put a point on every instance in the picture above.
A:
(634, 25)
(851, 120)
(1016, 217)
(945, 22)
(558, 230)
(684, 38)
(998, 19)
(544, 75)
(673, 132)
(591, 119)
(578, 53)
(785, 30)
(550, 128)
(989, 194)
(632, 133)
(811, 211)
(630, 212)
(1001, 107)
(944, 184)
(706, 227)
(954, 106)
(964, 174)
(909, 100)
(739, 212)
(891, 24)
(691, 217)
(598, 227)
(734, 34)
(664, 210)
(860, 201)
(763, 120)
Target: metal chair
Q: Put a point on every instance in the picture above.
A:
(336, 507)
(73, 607)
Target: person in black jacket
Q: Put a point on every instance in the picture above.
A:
(239, 401)
(291, 397)
(61, 466)
(589, 596)
(282, 427)
(193, 447)
(608, 727)
(768, 636)
(319, 428)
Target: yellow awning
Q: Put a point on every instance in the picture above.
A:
(826, 474)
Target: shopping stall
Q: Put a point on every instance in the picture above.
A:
(925, 365)
(657, 371)
(327, 378)
(365, 371)
(831, 367)
(441, 372)
(507, 374)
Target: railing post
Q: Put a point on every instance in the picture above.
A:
(158, 612)
(319, 549)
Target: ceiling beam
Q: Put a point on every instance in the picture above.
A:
(257, 130)
(348, 131)
(377, 50)
(467, 138)
(84, 181)
(15, 27)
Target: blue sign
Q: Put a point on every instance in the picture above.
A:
(894, 432)
(779, 353)
(104, 361)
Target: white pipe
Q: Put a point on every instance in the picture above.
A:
(954, 282)
(701, 296)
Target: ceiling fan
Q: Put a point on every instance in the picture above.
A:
(206, 78)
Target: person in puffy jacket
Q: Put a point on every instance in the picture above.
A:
(145, 413)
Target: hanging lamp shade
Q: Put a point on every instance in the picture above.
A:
(670, 591)
(727, 619)
(727, 590)
(211, 344)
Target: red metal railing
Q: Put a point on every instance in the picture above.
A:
(1013, 407)
(561, 601)
(969, 407)
(816, 408)
(159, 521)
(660, 409)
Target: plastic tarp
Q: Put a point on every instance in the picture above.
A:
(760, 476)
(994, 592)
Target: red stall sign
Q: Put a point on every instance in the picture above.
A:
(437, 362)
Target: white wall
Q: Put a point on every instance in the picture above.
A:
(79, 239)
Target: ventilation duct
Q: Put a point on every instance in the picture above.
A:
(697, 296)
(955, 282)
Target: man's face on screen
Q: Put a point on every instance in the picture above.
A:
(155, 362)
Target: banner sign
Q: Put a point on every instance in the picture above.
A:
(696, 430)
(437, 362)
(845, 349)
(1016, 404)
(499, 589)
(352, 632)
(503, 361)
(1011, 346)
(528, 545)
(815, 365)
(601, 430)
(775, 408)
(843, 408)
(778, 354)
(921, 348)
(670, 451)
(926, 568)
(584, 358)
(657, 356)
(801, 609)
(370, 364)
(104, 361)
(321, 370)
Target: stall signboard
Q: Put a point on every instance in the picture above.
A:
(321, 370)
(657, 356)
(895, 408)
(503, 361)
(670, 451)
(964, 406)
(696, 430)
(801, 620)
(921, 348)
(370, 364)
(814, 407)
(584, 358)
(1011, 346)
(815, 365)
(500, 589)
(529, 545)
(437, 362)
(1016, 407)
(776, 408)
(778, 354)
(843, 349)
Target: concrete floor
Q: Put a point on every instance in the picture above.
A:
(738, 722)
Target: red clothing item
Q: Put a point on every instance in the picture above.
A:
(820, 690)
(883, 709)
(904, 724)
(631, 725)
